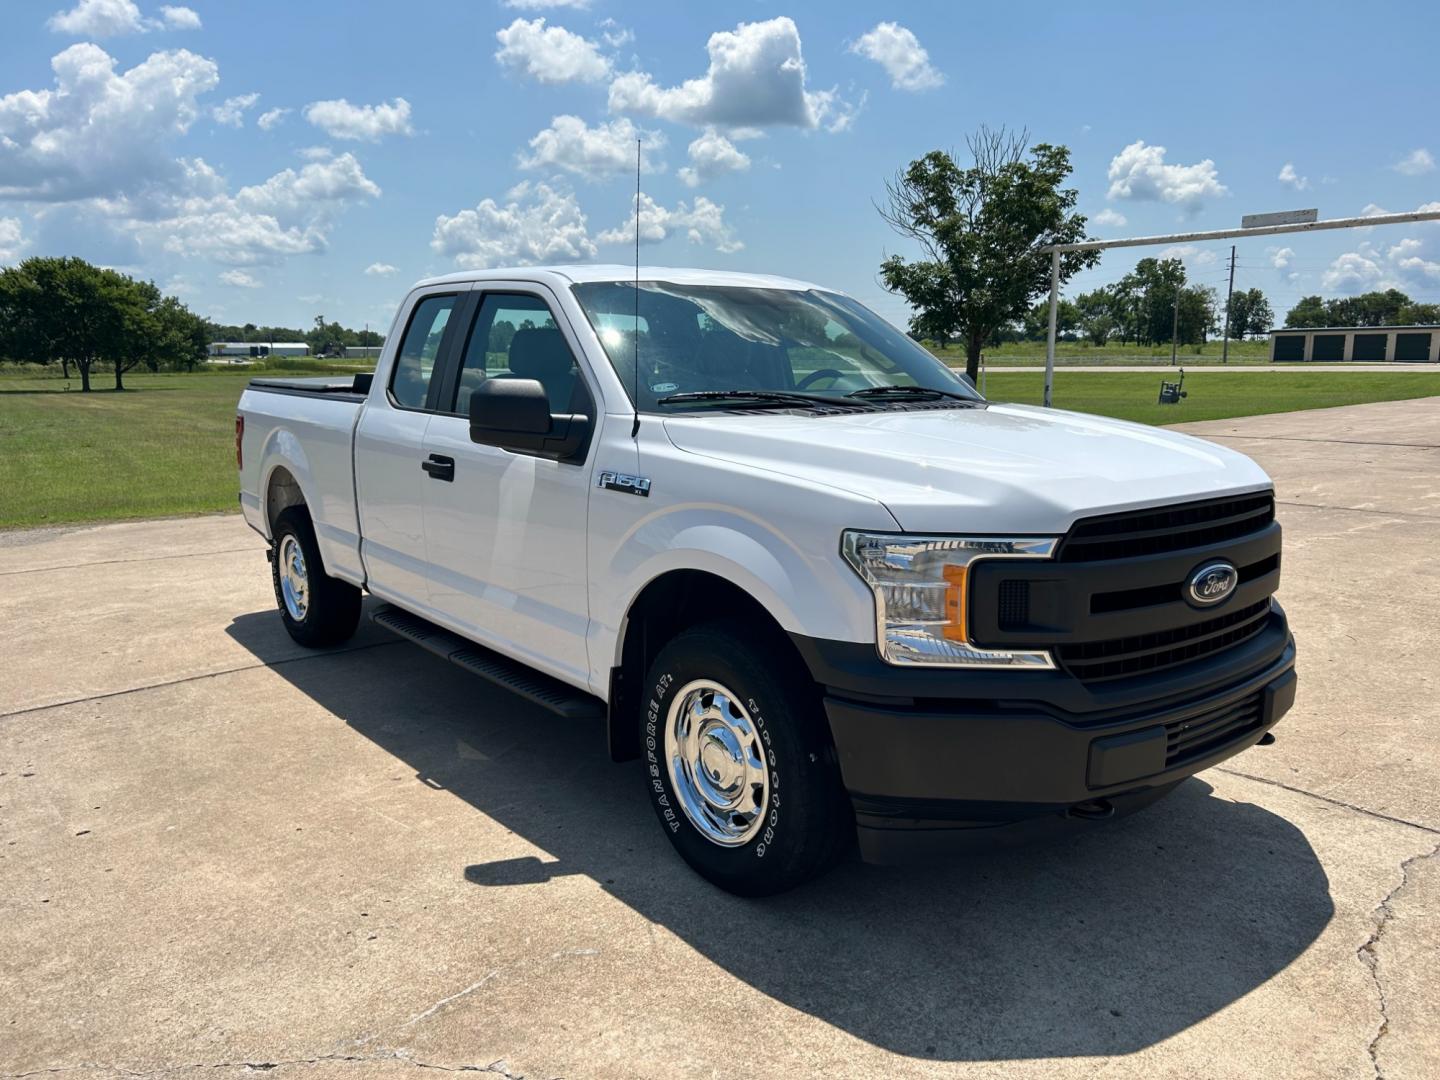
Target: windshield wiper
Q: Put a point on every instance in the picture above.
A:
(779, 398)
(912, 391)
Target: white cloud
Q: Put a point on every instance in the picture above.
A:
(239, 279)
(535, 224)
(12, 239)
(379, 269)
(1140, 172)
(570, 144)
(1416, 163)
(615, 35)
(899, 52)
(291, 213)
(549, 54)
(1189, 254)
(1280, 259)
(231, 112)
(1109, 217)
(370, 123)
(702, 223)
(1407, 258)
(1409, 264)
(98, 133)
(268, 119)
(99, 18)
(756, 78)
(539, 5)
(180, 18)
(710, 155)
(315, 153)
(1288, 175)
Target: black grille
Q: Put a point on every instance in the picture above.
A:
(1119, 657)
(1203, 734)
(1169, 528)
(1014, 606)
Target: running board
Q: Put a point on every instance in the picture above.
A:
(514, 676)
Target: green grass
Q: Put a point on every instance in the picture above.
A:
(1213, 395)
(1028, 353)
(167, 447)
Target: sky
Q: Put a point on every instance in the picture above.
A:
(270, 162)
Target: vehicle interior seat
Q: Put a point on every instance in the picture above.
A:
(541, 353)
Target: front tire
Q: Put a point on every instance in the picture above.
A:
(318, 610)
(739, 764)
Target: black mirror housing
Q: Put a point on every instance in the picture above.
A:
(514, 414)
(514, 406)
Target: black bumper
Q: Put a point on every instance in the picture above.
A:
(946, 759)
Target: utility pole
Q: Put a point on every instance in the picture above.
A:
(1175, 326)
(1229, 291)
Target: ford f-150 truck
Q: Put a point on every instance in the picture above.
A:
(815, 583)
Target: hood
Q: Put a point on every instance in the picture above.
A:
(1000, 469)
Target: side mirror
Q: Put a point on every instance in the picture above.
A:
(514, 414)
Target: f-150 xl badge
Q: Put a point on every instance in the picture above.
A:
(631, 485)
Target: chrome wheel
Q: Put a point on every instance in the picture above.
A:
(716, 762)
(294, 581)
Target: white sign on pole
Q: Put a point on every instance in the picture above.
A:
(1284, 217)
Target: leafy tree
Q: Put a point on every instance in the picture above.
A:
(1249, 313)
(1310, 311)
(1414, 314)
(981, 229)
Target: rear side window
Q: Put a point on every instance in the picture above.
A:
(419, 350)
(515, 337)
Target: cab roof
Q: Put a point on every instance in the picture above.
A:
(568, 275)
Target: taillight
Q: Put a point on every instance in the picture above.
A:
(239, 441)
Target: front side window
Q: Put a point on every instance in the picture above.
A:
(713, 338)
(419, 350)
(515, 337)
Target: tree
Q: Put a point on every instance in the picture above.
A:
(982, 229)
(1249, 313)
(1310, 311)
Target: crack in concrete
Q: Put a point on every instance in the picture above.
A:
(196, 678)
(498, 1067)
(1327, 799)
(113, 562)
(433, 1009)
(1369, 955)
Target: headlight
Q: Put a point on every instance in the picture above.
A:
(922, 595)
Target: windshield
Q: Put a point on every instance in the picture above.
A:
(693, 339)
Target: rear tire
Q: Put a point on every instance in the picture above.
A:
(317, 610)
(739, 763)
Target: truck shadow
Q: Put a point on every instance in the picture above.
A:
(1104, 945)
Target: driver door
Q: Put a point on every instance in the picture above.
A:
(506, 536)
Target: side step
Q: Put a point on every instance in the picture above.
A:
(514, 676)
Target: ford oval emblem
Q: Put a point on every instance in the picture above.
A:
(1212, 583)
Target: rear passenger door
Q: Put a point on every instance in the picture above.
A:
(506, 535)
(390, 472)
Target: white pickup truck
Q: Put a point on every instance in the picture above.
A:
(807, 575)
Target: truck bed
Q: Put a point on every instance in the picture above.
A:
(353, 388)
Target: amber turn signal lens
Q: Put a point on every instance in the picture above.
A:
(956, 603)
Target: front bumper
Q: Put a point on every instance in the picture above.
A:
(955, 759)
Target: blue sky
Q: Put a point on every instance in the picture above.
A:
(269, 162)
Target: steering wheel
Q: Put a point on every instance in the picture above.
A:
(815, 376)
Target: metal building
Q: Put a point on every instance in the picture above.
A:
(1356, 344)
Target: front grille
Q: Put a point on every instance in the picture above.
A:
(1200, 735)
(1167, 528)
(1014, 608)
(1143, 653)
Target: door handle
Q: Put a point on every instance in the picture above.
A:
(439, 467)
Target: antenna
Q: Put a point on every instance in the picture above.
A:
(635, 330)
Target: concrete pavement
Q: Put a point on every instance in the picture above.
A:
(218, 850)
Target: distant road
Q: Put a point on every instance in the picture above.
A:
(1196, 369)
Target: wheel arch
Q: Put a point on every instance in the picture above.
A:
(668, 604)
